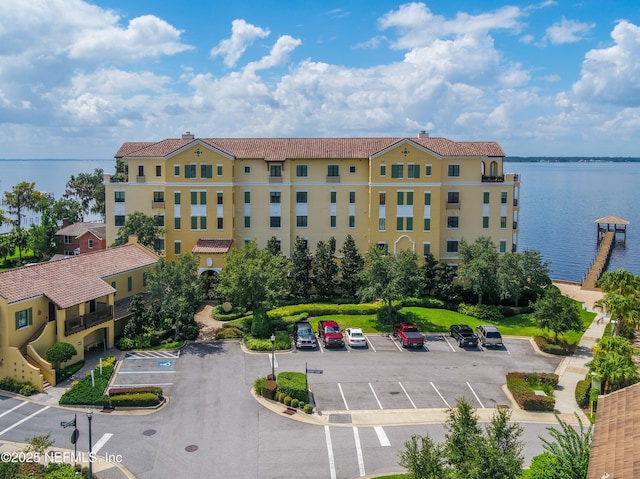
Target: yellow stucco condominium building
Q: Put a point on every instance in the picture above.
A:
(424, 194)
(81, 300)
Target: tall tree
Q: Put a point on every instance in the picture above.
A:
(423, 458)
(556, 312)
(379, 279)
(5, 247)
(569, 449)
(429, 274)
(88, 189)
(19, 238)
(22, 196)
(144, 227)
(42, 237)
(501, 451)
(478, 267)
(510, 277)
(252, 278)
(444, 288)
(325, 268)
(350, 267)
(66, 208)
(463, 439)
(613, 363)
(273, 246)
(407, 274)
(621, 299)
(300, 280)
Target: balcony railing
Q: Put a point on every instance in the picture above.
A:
(492, 179)
(157, 204)
(333, 179)
(453, 206)
(515, 225)
(515, 202)
(86, 321)
(275, 179)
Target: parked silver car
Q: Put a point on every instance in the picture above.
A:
(489, 336)
(303, 335)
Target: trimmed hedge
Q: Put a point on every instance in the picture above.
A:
(582, 393)
(283, 342)
(134, 390)
(324, 309)
(422, 303)
(135, 400)
(484, 312)
(15, 386)
(294, 385)
(83, 393)
(520, 386)
(229, 333)
(561, 348)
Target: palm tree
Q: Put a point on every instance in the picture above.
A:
(618, 306)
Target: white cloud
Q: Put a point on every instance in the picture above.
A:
(243, 35)
(278, 55)
(568, 31)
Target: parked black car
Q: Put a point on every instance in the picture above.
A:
(464, 335)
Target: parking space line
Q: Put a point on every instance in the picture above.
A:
(425, 347)
(396, 344)
(157, 371)
(16, 424)
(332, 462)
(356, 437)
(408, 397)
(505, 347)
(476, 396)
(140, 385)
(273, 358)
(382, 436)
(445, 338)
(370, 345)
(101, 442)
(14, 408)
(375, 396)
(441, 396)
(343, 398)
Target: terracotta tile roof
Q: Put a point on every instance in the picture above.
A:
(279, 149)
(128, 148)
(212, 246)
(74, 280)
(78, 229)
(615, 447)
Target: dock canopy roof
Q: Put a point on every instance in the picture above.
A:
(611, 220)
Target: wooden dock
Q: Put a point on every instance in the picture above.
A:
(599, 264)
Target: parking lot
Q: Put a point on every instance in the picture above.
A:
(147, 368)
(387, 376)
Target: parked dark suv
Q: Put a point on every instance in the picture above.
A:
(303, 335)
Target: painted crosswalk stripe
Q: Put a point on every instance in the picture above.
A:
(101, 442)
(382, 436)
(356, 437)
(13, 408)
(332, 462)
(24, 420)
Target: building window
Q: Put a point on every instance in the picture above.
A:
(453, 197)
(352, 221)
(485, 197)
(247, 169)
(301, 171)
(427, 170)
(352, 169)
(220, 222)
(119, 220)
(119, 196)
(176, 247)
(247, 197)
(113, 285)
(129, 283)
(158, 170)
(402, 195)
(203, 197)
(274, 221)
(220, 198)
(176, 170)
(24, 318)
(206, 171)
(383, 248)
(452, 246)
(141, 170)
(454, 170)
(301, 196)
(274, 197)
(194, 222)
(219, 170)
(399, 223)
(176, 223)
(413, 171)
(159, 244)
(159, 220)
(194, 197)
(409, 223)
(427, 224)
(247, 221)
(427, 199)
(275, 171)
(503, 222)
(176, 197)
(503, 246)
(383, 198)
(485, 222)
(158, 196)
(452, 221)
(203, 223)
(190, 171)
(396, 171)
(383, 170)
(332, 221)
(68, 239)
(426, 249)
(382, 224)
(333, 170)
(301, 221)
(333, 197)
(352, 197)
(503, 197)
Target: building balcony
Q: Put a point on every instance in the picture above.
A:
(493, 179)
(515, 225)
(515, 202)
(140, 179)
(275, 179)
(333, 179)
(453, 206)
(86, 321)
(157, 204)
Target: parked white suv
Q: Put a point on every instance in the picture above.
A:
(489, 336)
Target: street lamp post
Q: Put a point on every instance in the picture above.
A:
(273, 356)
(90, 416)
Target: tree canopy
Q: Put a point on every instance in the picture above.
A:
(144, 227)
(478, 267)
(22, 196)
(350, 267)
(556, 312)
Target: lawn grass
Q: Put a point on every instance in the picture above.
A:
(367, 322)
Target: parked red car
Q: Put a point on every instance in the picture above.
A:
(329, 333)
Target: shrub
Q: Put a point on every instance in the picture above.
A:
(287, 400)
(190, 331)
(280, 396)
(229, 333)
(484, 312)
(68, 371)
(283, 341)
(84, 393)
(15, 386)
(224, 312)
(60, 353)
(294, 384)
(258, 385)
(521, 386)
(294, 402)
(134, 390)
(27, 389)
(324, 309)
(308, 408)
(135, 400)
(423, 303)
(561, 348)
(582, 393)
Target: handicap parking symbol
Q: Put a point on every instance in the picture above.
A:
(164, 363)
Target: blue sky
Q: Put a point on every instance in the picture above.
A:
(553, 78)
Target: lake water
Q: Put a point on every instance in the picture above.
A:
(559, 203)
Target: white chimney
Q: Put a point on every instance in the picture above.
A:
(188, 136)
(423, 134)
